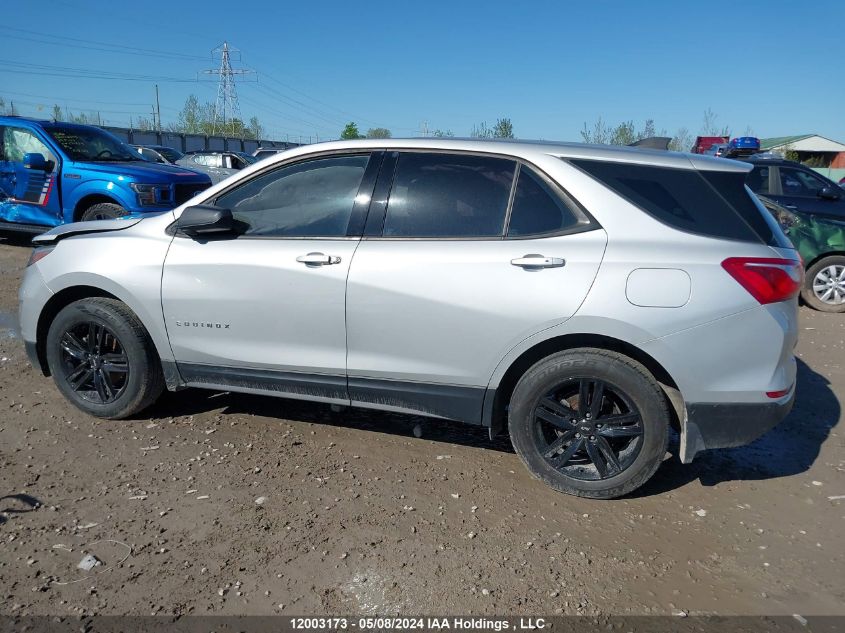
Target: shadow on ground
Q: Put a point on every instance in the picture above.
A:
(788, 449)
(195, 401)
(17, 504)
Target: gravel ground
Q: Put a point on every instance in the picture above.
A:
(217, 503)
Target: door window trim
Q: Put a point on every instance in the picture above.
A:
(576, 207)
(359, 210)
(809, 172)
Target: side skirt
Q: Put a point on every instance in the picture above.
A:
(448, 402)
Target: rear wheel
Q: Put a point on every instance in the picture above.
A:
(103, 211)
(102, 358)
(590, 422)
(824, 284)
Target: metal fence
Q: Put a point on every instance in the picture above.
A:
(193, 142)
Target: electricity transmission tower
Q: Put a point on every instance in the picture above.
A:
(227, 110)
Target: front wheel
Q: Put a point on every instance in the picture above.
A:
(102, 359)
(589, 422)
(824, 284)
(103, 211)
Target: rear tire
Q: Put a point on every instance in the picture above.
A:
(602, 448)
(103, 211)
(102, 358)
(821, 279)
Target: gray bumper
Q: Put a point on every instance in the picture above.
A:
(710, 425)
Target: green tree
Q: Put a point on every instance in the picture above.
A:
(443, 133)
(255, 129)
(350, 131)
(378, 132)
(57, 112)
(682, 141)
(481, 131)
(503, 128)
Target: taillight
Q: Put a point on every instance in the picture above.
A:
(39, 253)
(767, 279)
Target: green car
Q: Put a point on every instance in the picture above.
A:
(821, 244)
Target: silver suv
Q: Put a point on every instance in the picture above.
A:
(585, 298)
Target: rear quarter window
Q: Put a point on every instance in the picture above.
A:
(713, 204)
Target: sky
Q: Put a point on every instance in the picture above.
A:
(772, 67)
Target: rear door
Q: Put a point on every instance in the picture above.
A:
(440, 288)
(28, 193)
(266, 310)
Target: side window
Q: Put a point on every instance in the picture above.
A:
(796, 182)
(200, 159)
(680, 198)
(758, 180)
(536, 208)
(310, 199)
(449, 195)
(18, 141)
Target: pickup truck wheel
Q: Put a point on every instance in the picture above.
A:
(102, 359)
(824, 285)
(103, 211)
(589, 422)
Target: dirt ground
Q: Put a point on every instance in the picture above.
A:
(359, 516)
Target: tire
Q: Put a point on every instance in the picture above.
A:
(821, 276)
(547, 442)
(115, 383)
(103, 211)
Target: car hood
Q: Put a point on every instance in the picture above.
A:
(143, 171)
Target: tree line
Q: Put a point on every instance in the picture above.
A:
(600, 133)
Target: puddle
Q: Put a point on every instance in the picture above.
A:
(9, 325)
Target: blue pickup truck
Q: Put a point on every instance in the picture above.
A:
(53, 173)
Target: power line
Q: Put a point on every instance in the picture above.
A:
(86, 44)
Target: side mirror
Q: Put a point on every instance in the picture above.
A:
(36, 162)
(828, 193)
(205, 221)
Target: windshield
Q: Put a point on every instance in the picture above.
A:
(249, 159)
(91, 144)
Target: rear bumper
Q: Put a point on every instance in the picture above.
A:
(710, 425)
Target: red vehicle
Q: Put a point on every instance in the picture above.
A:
(704, 143)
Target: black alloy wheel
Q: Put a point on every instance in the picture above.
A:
(102, 358)
(588, 429)
(94, 362)
(590, 422)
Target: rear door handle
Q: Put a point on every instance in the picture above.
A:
(538, 261)
(318, 259)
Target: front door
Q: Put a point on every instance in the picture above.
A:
(799, 189)
(28, 190)
(265, 311)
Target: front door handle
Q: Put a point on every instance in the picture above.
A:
(318, 259)
(790, 206)
(538, 261)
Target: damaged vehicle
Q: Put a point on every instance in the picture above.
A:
(583, 299)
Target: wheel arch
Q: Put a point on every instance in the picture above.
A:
(820, 257)
(497, 398)
(88, 201)
(55, 305)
